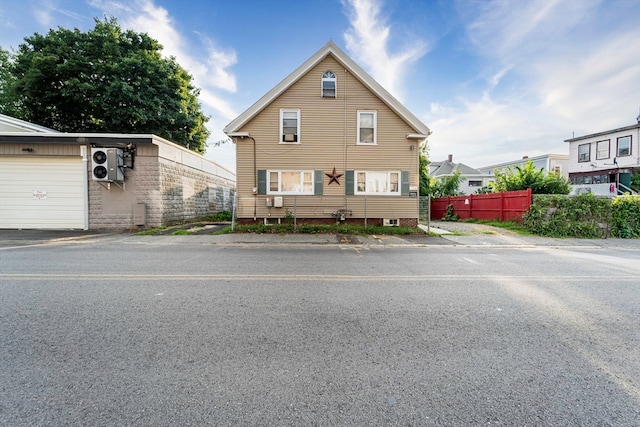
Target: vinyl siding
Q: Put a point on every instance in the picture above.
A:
(328, 132)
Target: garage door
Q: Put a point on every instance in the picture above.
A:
(44, 192)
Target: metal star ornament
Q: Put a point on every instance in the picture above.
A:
(333, 177)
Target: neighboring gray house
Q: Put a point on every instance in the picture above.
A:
(54, 180)
(602, 163)
(558, 163)
(474, 178)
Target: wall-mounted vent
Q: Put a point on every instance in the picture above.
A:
(391, 222)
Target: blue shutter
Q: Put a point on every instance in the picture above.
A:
(349, 186)
(262, 181)
(318, 177)
(404, 186)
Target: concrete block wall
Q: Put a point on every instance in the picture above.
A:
(173, 192)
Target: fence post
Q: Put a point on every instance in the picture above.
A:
(502, 206)
(295, 213)
(470, 206)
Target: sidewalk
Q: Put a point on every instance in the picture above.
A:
(441, 234)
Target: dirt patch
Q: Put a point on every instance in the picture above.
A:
(470, 228)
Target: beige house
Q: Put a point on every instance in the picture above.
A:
(54, 180)
(328, 144)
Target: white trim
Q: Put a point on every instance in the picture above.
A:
(375, 127)
(416, 136)
(333, 79)
(398, 192)
(279, 192)
(281, 137)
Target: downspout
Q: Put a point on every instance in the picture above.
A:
(255, 179)
(344, 137)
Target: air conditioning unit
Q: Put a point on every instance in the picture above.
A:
(289, 137)
(391, 222)
(107, 164)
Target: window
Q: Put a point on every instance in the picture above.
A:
(290, 182)
(289, 126)
(475, 183)
(624, 146)
(584, 152)
(602, 149)
(367, 127)
(329, 85)
(377, 182)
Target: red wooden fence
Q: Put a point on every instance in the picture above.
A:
(507, 206)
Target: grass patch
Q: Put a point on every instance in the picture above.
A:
(181, 233)
(151, 232)
(326, 229)
(223, 230)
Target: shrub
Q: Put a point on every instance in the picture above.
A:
(223, 216)
(625, 217)
(584, 216)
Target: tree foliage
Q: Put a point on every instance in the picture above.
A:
(104, 80)
(445, 185)
(528, 176)
(424, 170)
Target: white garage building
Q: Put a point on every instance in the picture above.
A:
(46, 181)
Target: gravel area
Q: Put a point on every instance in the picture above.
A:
(470, 228)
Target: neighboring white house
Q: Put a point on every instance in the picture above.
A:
(602, 163)
(558, 163)
(474, 179)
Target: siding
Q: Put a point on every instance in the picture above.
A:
(328, 132)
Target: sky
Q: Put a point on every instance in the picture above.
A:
(495, 80)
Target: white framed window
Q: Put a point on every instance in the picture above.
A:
(624, 146)
(289, 126)
(602, 149)
(329, 85)
(584, 153)
(367, 124)
(369, 182)
(289, 182)
(475, 183)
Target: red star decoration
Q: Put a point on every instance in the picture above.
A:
(333, 177)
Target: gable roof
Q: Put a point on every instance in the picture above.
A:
(422, 131)
(11, 124)
(447, 168)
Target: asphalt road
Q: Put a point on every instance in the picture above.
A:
(143, 331)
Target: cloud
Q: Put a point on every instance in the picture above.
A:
(44, 12)
(548, 71)
(210, 72)
(368, 42)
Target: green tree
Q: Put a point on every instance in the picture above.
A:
(104, 80)
(7, 81)
(424, 170)
(528, 176)
(445, 186)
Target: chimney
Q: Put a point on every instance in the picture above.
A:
(450, 158)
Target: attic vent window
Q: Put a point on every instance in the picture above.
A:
(328, 85)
